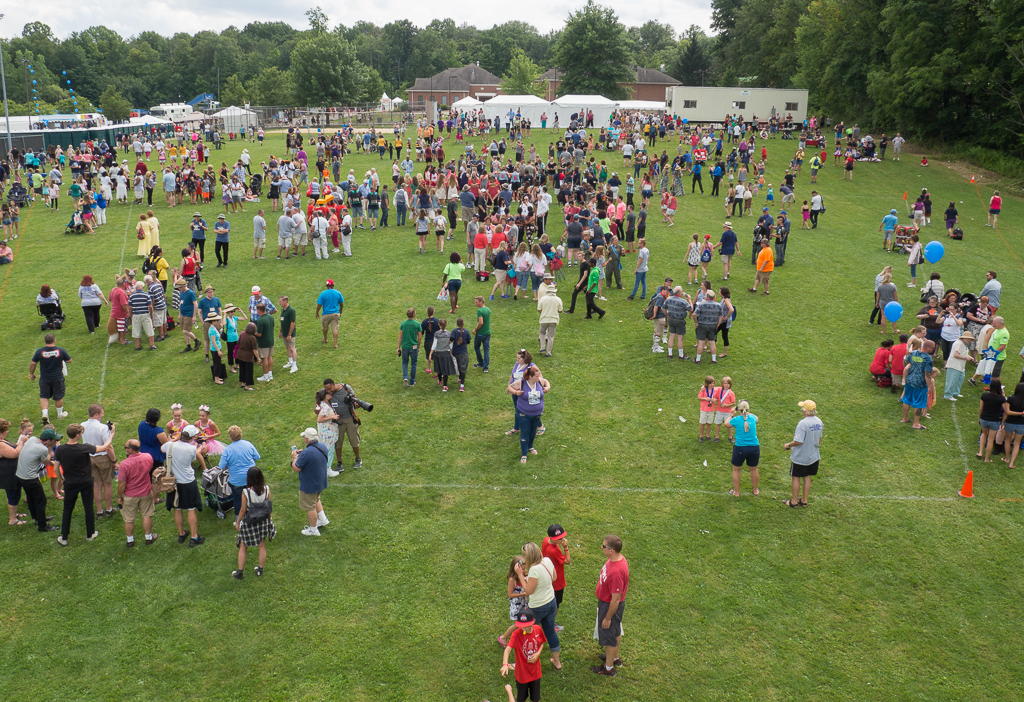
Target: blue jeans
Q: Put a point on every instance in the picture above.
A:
(515, 413)
(406, 355)
(483, 340)
(528, 426)
(384, 216)
(545, 616)
(236, 497)
(913, 270)
(641, 279)
(400, 216)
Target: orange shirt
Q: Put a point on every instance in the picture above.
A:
(766, 260)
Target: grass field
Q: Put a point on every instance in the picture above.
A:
(887, 587)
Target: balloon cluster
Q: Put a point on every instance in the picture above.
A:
(74, 98)
(35, 98)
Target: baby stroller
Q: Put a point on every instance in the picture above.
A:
(256, 184)
(75, 226)
(218, 490)
(902, 244)
(53, 313)
(556, 266)
(17, 195)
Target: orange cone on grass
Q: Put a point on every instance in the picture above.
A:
(968, 489)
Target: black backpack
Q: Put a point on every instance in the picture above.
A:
(258, 512)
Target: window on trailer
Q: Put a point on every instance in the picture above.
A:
(689, 104)
(792, 106)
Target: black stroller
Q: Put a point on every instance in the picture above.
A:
(54, 315)
(17, 195)
(256, 184)
(75, 226)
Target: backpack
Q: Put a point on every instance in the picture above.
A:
(705, 255)
(258, 512)
(958, 233)
(650, 310)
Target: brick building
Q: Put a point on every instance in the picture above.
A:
(453, 84)
(650, 84)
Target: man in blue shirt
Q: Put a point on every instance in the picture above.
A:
(889, 223)
(186, 312)
(168, 182)
(198, 227)
(238, 457)
(331, 303)
(206, 305)
(728, 246)
(222, 230)
(311, 465)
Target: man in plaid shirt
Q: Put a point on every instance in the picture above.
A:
(257, 298)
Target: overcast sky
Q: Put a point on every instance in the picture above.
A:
(166, 17)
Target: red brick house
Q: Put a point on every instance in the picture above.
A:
(453, 84)
(650, 84)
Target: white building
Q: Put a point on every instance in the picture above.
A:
(698, 104)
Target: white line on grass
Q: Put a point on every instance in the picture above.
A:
(598, 488)
(959, 438)
(120, 267)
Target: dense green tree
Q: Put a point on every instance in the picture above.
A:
(232, 92)
(499, 43)
(114, 105)
(326, 71)
(272, 87)
(652, 43)
(521, 76)
(692, 60)
(593, 53)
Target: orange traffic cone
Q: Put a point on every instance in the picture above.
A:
(968, 489)
(972, 179)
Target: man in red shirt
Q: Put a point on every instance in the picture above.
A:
(527, 641)
(612, 585)
(135, 491)
(555, 547)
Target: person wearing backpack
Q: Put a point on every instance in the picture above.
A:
(254, 524)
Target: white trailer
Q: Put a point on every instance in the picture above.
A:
(703, 105)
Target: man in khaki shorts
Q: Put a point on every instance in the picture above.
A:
(96, 432)
(311, 465)
(135, 492)
(331, 303)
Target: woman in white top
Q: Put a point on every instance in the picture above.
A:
(521, 263)
(92, 299)
(535, 576)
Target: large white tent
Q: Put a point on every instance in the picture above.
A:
(567, 105)
(232, 119)
(530, 107)
(385, 102)
(467, 103)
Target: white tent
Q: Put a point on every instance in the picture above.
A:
(385, 102)
(147, 120)
(467, 103)
(642, 105)
(530, 107)
(567, 105)
(232, 119)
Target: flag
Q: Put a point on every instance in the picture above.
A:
(904, 194)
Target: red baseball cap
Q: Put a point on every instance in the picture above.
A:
(330, 283)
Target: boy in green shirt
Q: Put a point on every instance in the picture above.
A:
(483, 335)
(288, 333)
(409, 336)
(592, 285)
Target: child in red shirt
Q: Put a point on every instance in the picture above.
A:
(527, 641)
(555, 547)
(883, 359)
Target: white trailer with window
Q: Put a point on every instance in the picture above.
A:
(703, 105)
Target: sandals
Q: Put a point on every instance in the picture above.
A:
(523, 459)
(20, 522)
(790, 503)
(540, 432)
(734, 493)
(533, 451)
(510, 432)
(501, 643)
(756, 493)
(803, 503)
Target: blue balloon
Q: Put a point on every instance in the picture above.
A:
(33, 82)
(31, 71)
(71, 90)
(69, 82)
(893, 311)
(63, 73)
(934, 251)
(686, 121)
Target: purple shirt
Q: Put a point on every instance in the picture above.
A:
(531, 402)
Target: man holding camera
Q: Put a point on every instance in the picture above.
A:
(343, 402)
(97, 432)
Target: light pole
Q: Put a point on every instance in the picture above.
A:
(7, 116)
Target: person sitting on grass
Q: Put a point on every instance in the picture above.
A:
(881, 363)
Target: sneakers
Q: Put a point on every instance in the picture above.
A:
(153, 537)
(601, 670)
(259, 571)
(357, 464)
(237, 574)
(197, 541)
(295, 369)
(322, 522)
(911, 285)
(617, 662)
(311, 531)
(263, 379)
(92, 536)
(657, 349)
(182, 538)
(332, 473)
(61, 414)
(62, 541)
(462, 388)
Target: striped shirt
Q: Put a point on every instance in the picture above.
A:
(156, 295)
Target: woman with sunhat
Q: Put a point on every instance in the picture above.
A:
(217, 368)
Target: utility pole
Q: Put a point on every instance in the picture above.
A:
(25, 67)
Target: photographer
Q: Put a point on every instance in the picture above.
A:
(344, 402)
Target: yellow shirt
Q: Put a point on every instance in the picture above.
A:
(172, 151)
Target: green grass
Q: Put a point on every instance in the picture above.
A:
(862, 596)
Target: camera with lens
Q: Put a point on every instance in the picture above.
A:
(361, 404)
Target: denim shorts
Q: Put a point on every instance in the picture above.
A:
(991, 426)
(1013, 429)
(750, 454)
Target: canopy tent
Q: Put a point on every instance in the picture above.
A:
(147, 121)
(233, 119)
(385, 102)
(641, 106)
(529, 107)
(467, 103)
(568, 105)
